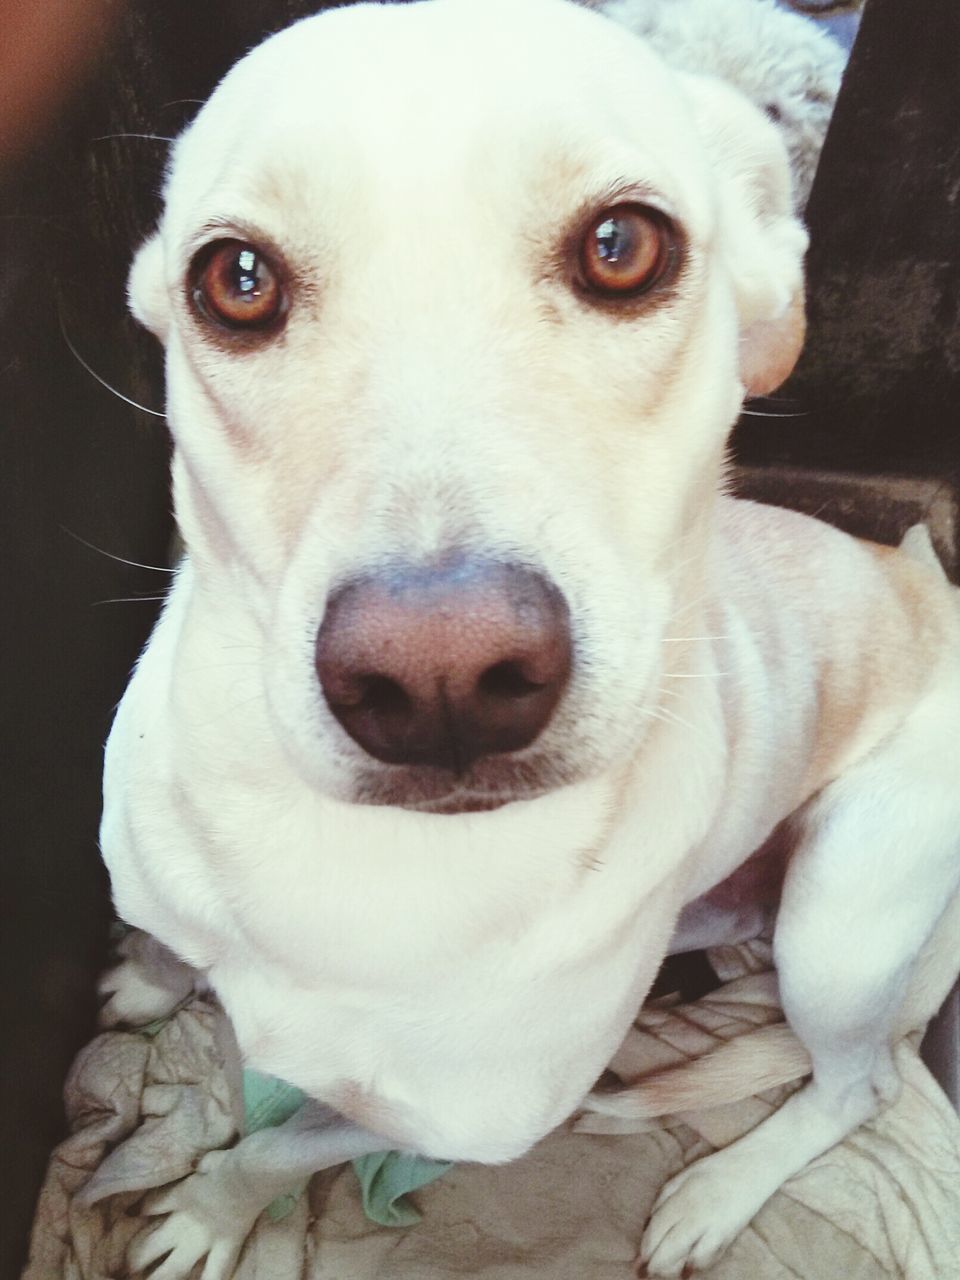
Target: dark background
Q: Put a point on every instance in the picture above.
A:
(865, 433)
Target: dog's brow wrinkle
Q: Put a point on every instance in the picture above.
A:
(234, 227)
(623, 190)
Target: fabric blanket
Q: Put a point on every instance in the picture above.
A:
(143, 1108)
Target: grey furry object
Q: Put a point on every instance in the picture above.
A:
(783, 62)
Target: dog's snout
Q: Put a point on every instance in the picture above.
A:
(442, 665)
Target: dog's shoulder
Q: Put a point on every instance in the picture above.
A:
(813, 566)
(857, 632)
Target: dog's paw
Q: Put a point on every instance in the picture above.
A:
(697, 1215)
(148, 983)
(887, 1082)
(203, 1224)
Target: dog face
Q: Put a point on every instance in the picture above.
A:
(460, 299)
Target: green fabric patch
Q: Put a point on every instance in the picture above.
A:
(385, 1177)
(268, 1101)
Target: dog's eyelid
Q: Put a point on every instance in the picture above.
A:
(626, 192)
(225, 228)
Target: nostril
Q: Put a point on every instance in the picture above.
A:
(507, 680)
(366, 691)
(382, 696)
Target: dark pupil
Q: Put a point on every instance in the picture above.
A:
(246, 274)
(613, 240)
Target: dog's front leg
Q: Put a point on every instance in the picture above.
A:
(147, 982)
(211, 1213)
(877, 864)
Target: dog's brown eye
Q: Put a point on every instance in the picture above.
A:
(626, 251)
(236, 285)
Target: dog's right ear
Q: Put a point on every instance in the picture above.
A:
(760, 240)
(146, 288)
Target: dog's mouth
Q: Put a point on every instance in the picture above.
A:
(488, 785)
(459, 804)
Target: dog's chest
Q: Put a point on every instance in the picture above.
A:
(429, 1050)
(410, 973)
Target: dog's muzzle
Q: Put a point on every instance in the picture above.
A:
(441, 665)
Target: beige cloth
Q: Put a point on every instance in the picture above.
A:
(142, 1109)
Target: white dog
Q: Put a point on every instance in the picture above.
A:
(471, 681)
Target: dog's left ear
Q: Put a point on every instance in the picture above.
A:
(760, 238)
(146, 291)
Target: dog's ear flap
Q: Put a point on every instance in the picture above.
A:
(759, 237)
(146, 288)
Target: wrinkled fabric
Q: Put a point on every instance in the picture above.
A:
(142, 1110)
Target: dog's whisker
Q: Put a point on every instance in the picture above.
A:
(156, 413)
(694, 559)
(136, 564)
(668, 717)
(693, 675)
(690, 639)
(757, 412)
(688, 608)
(130, 600)
(152, 137)
(764, 413)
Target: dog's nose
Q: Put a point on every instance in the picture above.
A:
(441, 665)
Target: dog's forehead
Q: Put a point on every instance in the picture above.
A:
(474, 93)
